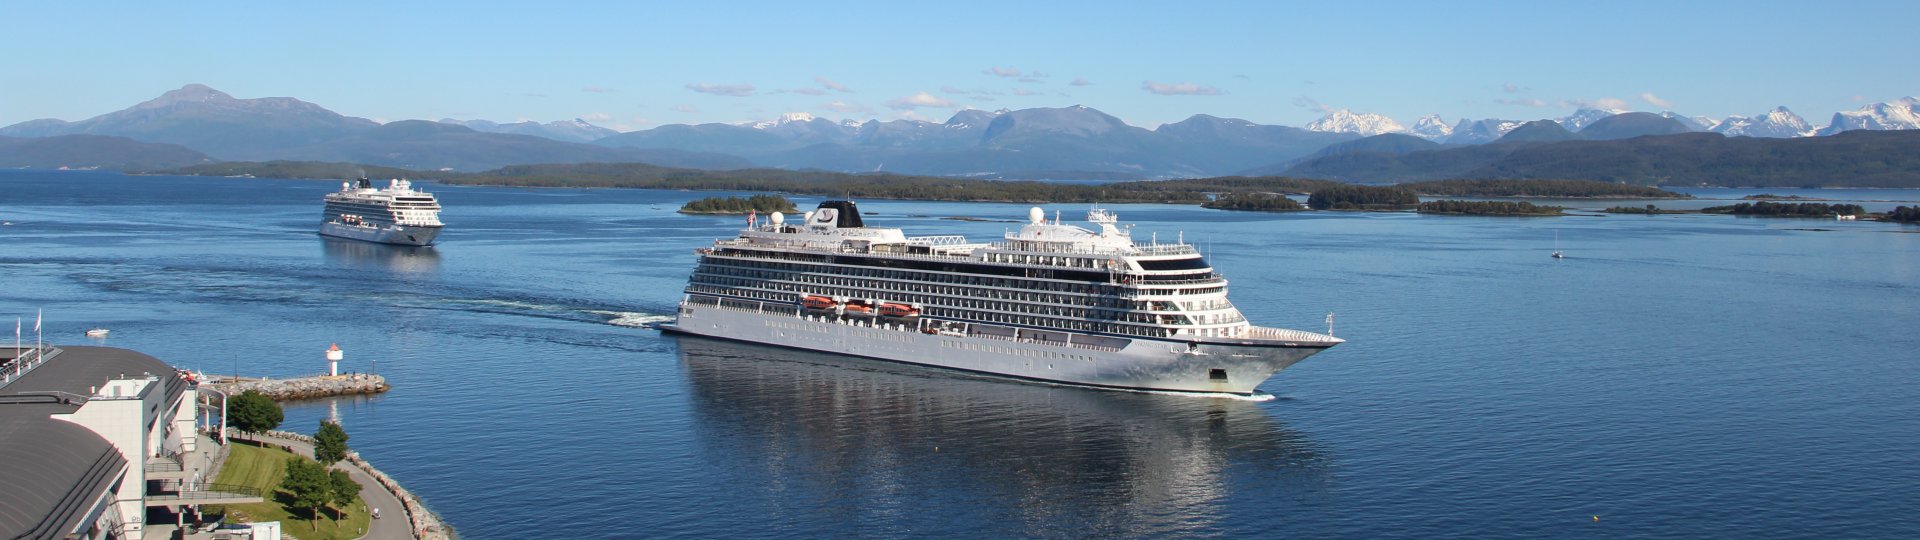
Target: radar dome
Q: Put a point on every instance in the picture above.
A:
(777, 218)
(1036, 215)
(807, 217)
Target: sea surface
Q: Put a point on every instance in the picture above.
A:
(1674, 376)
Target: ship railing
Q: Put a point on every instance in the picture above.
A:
(1284, 334)
(1166, 249)
(943, 240)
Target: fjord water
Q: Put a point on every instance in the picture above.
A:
(1675, 375)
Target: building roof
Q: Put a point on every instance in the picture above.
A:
(55, 469)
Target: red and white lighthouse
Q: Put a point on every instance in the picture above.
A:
(333, 360)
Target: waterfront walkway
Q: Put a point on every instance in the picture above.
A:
(392, 524)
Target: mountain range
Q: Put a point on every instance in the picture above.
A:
(195, 124)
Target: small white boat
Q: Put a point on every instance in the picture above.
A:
(97, 332)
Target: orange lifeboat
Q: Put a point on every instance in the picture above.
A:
(858, 308)
(817, 302)
(898, 311)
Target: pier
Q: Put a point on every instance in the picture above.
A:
(317, 386)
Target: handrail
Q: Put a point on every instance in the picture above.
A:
(204, 490)
(26, 360)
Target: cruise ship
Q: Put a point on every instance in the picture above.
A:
(398, 214)
(1049, 302)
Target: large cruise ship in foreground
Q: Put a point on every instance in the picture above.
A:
(395, 215)
(1050, 302)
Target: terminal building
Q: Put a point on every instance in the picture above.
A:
(96, 440)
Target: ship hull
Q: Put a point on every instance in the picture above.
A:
(1143, 364)
(392, 234)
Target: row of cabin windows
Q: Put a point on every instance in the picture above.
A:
(835, 272)
(962, 297)
(728, 268)
(963, 307)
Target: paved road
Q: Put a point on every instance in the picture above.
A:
(392, 524)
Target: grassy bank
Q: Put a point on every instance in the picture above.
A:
(264, 467)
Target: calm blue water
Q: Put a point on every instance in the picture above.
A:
(1675, 375)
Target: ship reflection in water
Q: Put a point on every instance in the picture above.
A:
(372, 256)
(889, 449)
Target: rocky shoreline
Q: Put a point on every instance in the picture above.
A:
(426, 524)
(303, 387)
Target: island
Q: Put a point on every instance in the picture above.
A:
(1649, 210)
(1772, 197)
(1261, 202)
(1904, 214)
(736, 205)
(1353, 197)
(1488, 208)
(1764, 208)
(1555, 189)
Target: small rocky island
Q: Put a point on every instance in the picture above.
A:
(735, 205)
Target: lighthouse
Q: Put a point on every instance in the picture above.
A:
(333, 360)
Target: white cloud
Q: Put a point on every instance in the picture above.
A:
(1080, 81)
(596, 117)
(808, 91)
(831, 85)
(1179, 89)
(918, 100)
(735, 90)
(955, 91)
(596, 89)
(998, 71)
(1655, 100)
(1310, 104)
(685, 108)
(1509, 87)
(1035, 77)
(1026, 92)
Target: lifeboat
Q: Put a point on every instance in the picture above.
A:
(898, 311)
(818, 302)
(858, 308)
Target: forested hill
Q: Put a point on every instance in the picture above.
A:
(1849, 159)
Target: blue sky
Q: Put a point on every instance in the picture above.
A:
(631, 65)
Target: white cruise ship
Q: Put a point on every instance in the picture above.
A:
(395, 215)
(1050, 302)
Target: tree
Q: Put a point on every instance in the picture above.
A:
(309, 486)
(341, 490)
(329, 443)
(253, 412)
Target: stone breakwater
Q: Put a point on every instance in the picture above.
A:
(304, 387)
(426, 524)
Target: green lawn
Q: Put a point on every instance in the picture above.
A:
(263, 468)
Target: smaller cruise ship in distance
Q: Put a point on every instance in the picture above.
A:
(1051, 302)
(398, 214)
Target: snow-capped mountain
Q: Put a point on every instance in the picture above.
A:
(1481, 131)
(1696, 123)
(1584, 117)
(1365, 124)
(1432, 128)
(576, 130)
(1779, 122)
(1903, 113)
(784, 119)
